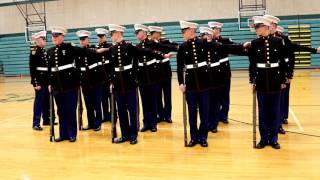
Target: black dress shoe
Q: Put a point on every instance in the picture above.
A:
(97, 129)
(48, 124)
(225, 121)
(261, 145)
(133, 141)
(106, 120)
(144, 129)
(37, 128)
(154, 129)
(168, 120)
(86, 128)
(214, 130)
(192, 143)
(285, 121)
(204, 143)
(119, 140)
(275, 145)
(281, 130)
(159, 120)
(59, 139)
(72, 139)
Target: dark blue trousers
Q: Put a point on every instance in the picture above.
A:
(149, 95)
(67, 112)
(164, 103)
(195, 101)
(41, 106)
(127, 103)
(225, 100)
(214, 108)
(285, 102)
(92, 99)
(269, 116)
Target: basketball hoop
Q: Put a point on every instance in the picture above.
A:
(30, 30)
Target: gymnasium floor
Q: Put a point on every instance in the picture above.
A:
(27, 154)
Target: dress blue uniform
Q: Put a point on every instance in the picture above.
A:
(290, 62)
(124, 57)
(39, 77)
(214, 79)
(192, 57)
(91, 80)
(148, 77)
(267, 71)
(164, 102)
(65, 83)
(64, 80)
(226, 80)
(106, 96)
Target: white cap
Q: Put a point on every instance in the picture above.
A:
(206, 30)
(138, 27)
(38, 35)
(214, 24)
(83, 33)
(261, 20)
(280, 29)
(155, 29)
(186, 24)
(58, 30)
(273, 19)
(115, 27)
(101, 31)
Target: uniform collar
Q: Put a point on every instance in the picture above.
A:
(60, 44)
(87, 46)
(266, 37)
(193, 39)
(103, 43)
(121, 42)
(145, 40)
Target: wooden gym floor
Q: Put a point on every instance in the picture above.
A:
(27, 154)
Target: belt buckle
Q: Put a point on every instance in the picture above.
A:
(268, 65)
(55, 69)
(121, 68)
(195, 65)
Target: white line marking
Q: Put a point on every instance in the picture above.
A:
(296, 120)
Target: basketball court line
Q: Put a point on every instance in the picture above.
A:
(296, 120)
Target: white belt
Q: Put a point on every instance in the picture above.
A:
(123, 68)
(164, 60)
(286, 59)
(266, 65)
(224, 60)
(60, 68)
(192, 66)
(148, 62)
(42, 68)
(93, 65)
(214, 64)
(105, 62)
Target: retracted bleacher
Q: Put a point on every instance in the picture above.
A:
(14, 51)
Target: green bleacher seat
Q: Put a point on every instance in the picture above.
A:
(14, 51)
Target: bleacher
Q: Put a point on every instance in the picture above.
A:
(14, 51)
